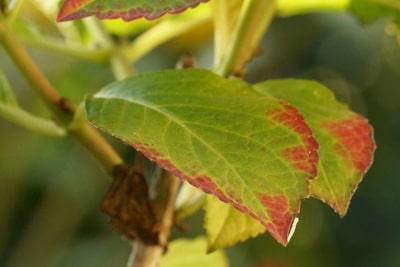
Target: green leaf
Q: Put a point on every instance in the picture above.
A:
(345, 138)
(226, 226)
(127, 10)
(252, 151)
(186, 252)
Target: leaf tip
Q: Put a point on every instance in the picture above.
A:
(70, 10)
(281, 218)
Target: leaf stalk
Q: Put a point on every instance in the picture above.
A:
(253, 20)
(119, 62)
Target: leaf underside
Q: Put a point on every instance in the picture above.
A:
(251, 150)
(125, 9)
(345, 138)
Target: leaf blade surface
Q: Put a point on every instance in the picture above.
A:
(252, 151)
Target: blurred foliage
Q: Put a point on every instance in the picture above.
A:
(369, 10)
(51, 188)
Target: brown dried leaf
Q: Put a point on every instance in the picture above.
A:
(127, 203)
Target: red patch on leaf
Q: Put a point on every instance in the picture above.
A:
(356, 143)
(74, 9)
(302, 157)
(278, 209)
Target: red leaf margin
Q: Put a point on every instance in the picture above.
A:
(74, 9)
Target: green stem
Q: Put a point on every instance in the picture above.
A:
(163, 32)
(64, 111)
(31, 122)
(254, 18)
(101, 38)
(90, 138)
(121, 66)
(119, 63)
(52, 44)
(224, 14)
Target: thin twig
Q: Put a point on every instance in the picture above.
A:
(163, 193)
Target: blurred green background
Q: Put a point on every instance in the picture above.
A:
(50, 188)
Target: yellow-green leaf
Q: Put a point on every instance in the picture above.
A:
(192, 252)
(227, 226)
